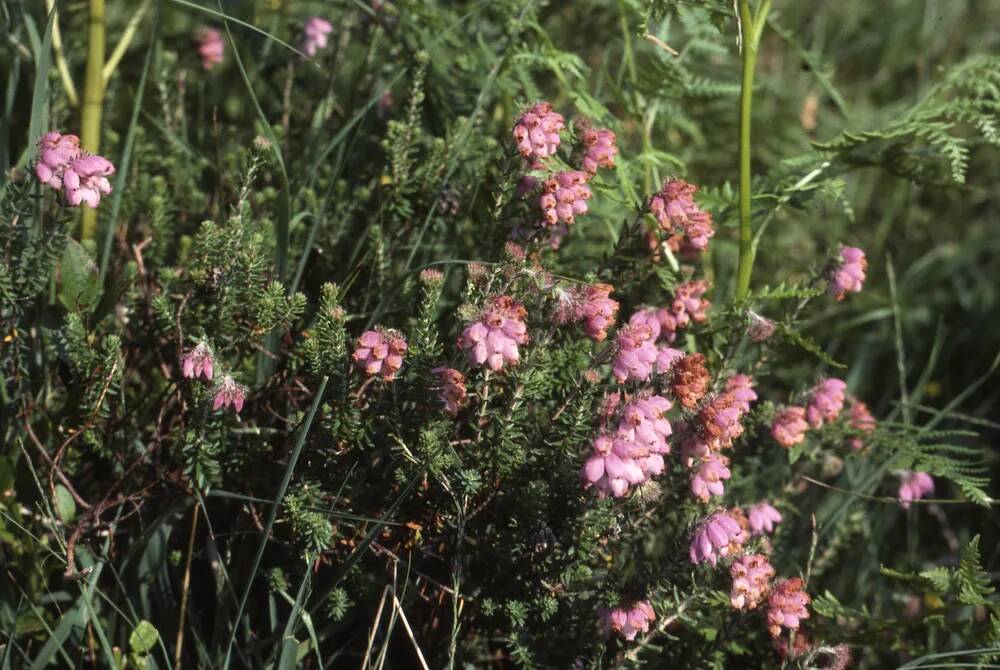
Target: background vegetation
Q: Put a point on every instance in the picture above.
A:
(243, 192)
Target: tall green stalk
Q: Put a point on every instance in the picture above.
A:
(751, 28)
(93, 101)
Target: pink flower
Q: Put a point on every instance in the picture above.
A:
(861, 419)
(787, 605)
(494, 338)
(636, 354)
(707, 481)
(314, 35)
(763, 518)
(613, 467)
(751, 581)
(627, 621)
(634, 452)
(760, 329)
(665, 359)
(564, 196)
(719, 421)
(717, 537)
(914, 486)
(600, 149)
(380, 353)
(648, 317)
(85, 179)
(451, 388)
(825, 402)
(688, 304)
(210, 47)
(597, 310)
(55, 152)
(228, 392)
(848, 272)
(789, 426)
(677, 213)
(198, 361)
(536, 133)
(741, 386)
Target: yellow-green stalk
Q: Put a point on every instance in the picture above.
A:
(93, 101)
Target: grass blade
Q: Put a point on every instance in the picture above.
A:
(273, 514)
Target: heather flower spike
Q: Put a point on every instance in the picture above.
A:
(493, 339)
(210, 47)
(787, 605)
(848, 272)
(637, 354)
(717, 537)
(379, 353)
(600, 151)
(914, 486)
(860, 419)
(762, 518)
(789, 426)
(689, 227)
(825, 402)
(451, 388)
(627, 621)
(55, 152)
(536, 133)
(314, 35)
(197, 362)
(85, 179)
(229, 393)
(751, 581)
(708, 479)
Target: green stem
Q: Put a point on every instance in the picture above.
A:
(93, 101)
(751, 28)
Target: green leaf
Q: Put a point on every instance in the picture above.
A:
(65, 505)
(973, 582)
(80, 281)
(143, 638)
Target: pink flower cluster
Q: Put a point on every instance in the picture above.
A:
(82, 177)
(636, 357)
(717, 424)
(210, 47)
(789, 426)
(451, 388)
(708, 477)
(494, 338)
(717, 537)
(848, 272)
(751, 581)
(314, 35)
(627, 621)
(380, 353)
(861, 419)
(197, 362)
(632, 453)
(564, 195)
(600, 149)
(229, 393)
(787, 605)
(688, 226)
(591, 304)
(762, 518)
(536, 133)
(687, 306)
(914, 486)
(826, 400)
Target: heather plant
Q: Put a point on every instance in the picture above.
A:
(425, 334)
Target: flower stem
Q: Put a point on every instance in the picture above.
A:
(93, 101)
(751, 28)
